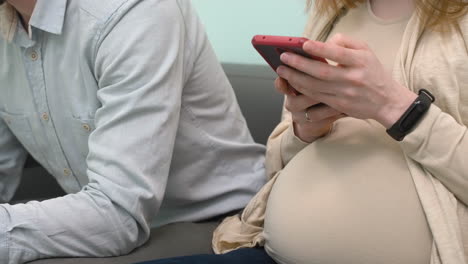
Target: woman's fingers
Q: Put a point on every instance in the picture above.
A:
(359, 85)
(331, 51)
(316, 114)
(299, 103)
(340, 49)
(284, 87)
(321, 112)
(310, 131)
(328, 121)
(347, 42)
(305, 83)
(281, 85)
(317, 69)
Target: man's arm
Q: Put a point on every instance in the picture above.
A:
(139, 68)
(12, 158)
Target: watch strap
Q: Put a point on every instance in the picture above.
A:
(412, 116)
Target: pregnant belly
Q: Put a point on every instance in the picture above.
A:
(346, 202)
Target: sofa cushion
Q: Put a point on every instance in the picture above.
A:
(179, 239)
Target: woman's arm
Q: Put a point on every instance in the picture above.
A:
(440, 144)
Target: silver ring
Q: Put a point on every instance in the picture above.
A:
(307, 118)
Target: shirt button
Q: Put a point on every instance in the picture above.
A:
(86, 127)
(34, 55)
(66, 172)
(45, 117)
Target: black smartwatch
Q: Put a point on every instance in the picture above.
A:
(409, 120)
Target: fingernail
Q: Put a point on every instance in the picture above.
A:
(280, 71)
(309, 45)
(285, 57)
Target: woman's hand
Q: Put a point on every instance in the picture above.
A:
(358, 85)
(311, 119)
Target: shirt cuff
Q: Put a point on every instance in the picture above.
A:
(4, 236)
(291, 145)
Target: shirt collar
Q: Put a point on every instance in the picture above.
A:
(48, 15)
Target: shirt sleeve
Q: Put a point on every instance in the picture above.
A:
(440, 144)
(12, 159)
(291, 145)
(139, 67)
(282, 145)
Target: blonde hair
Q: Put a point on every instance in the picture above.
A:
(435, 12)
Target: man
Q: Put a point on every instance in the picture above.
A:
(123, 102)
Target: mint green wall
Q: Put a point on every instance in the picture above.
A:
(231, 24)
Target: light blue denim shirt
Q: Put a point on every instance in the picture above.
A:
(125, 104)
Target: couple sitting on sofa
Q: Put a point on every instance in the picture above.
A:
(124, 103)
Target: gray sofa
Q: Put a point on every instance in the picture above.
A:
(261, 106)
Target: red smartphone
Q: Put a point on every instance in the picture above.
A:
(271, 48)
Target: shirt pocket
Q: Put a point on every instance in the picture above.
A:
(21, 128)
(82, 128)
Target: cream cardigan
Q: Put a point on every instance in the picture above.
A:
(436, 151)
